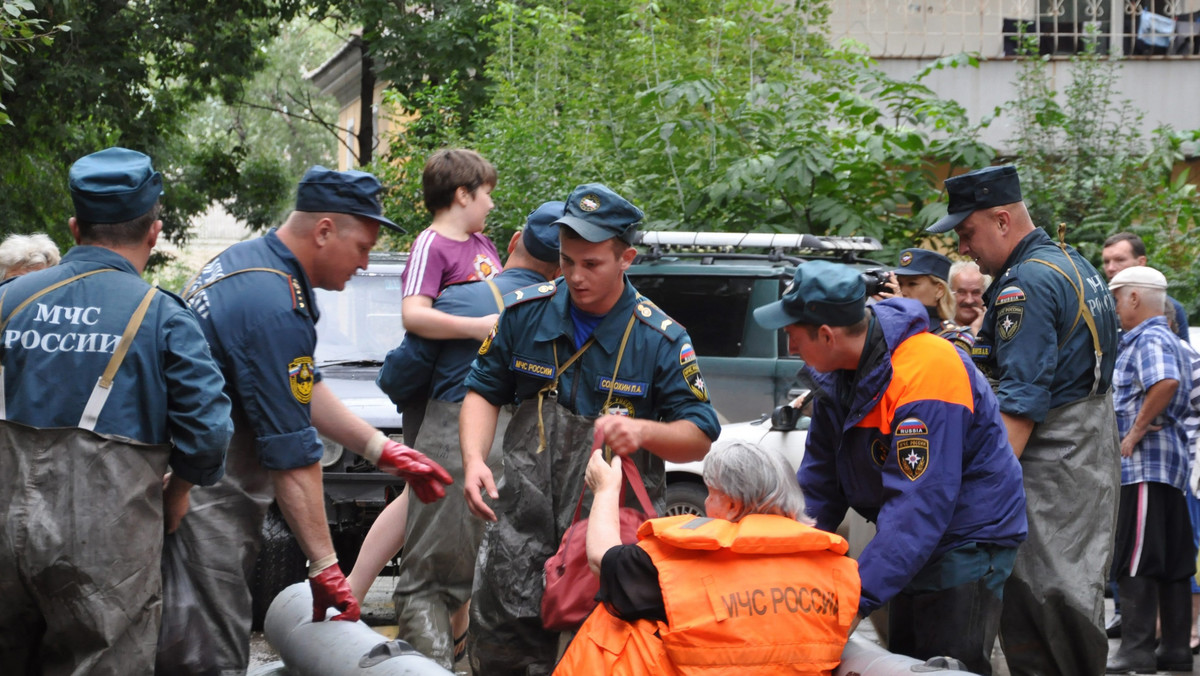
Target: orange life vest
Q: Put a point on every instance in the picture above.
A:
(765, 595)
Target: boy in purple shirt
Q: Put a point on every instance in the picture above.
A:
(458, 187)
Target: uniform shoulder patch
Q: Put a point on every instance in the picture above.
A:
(1008, 321)
(912, 453)
(911, 426)
(300, 378)
(649, 314)
(528, 293)
(1010, 294)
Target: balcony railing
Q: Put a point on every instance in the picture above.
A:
(1165, 29)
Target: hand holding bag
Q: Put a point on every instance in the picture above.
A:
(571, 588)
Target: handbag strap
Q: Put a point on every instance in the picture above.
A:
(633, 477)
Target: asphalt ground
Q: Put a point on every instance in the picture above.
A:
(380, 614)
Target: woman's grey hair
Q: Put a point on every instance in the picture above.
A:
(759, 481)
(20, 251)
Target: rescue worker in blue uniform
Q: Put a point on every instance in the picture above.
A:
(924, 276)
(1048, 343)
(425, 378)
(257, 309)
(105, 381)
(583, 355)
(907, 432)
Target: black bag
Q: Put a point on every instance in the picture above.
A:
(182, 642)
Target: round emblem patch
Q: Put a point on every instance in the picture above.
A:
(300, 378)
(906, 258)
(621, 406)
(589, 202)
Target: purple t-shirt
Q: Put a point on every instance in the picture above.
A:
(436, 262)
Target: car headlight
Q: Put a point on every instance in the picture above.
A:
(332, 452)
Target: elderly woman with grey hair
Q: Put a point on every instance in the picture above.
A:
(751, 586)
(22, 254)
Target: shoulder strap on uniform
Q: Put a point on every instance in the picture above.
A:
(528, 293)
(499, 297)
(1084, 311)
(298, 299)
(653, 316)
(91, 412)
(187, 295)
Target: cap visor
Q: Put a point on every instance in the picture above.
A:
(949, 222)
(773, 316)
(589, 231)
(384, 222)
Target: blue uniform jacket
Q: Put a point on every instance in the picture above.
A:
(421, 368)
(261, 326)
(659, 378)
(1034, 341)
(168, 389)
(913, 441)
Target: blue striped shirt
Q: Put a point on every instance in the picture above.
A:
(1149, 354)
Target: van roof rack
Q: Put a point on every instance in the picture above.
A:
(792, 248)
(670, 239)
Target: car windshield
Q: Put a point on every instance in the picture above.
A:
(360, 323)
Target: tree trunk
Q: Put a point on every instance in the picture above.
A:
(366, 122)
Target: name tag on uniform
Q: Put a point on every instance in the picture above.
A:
(533, 368)
(981, 351)
(629, 388)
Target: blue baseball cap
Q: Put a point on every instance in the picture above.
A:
(923, 262)
(540, 235)
(113, 186)
(342, 192)
(598, 214)
(979, 189)
(820, 293)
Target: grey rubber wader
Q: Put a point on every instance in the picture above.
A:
(1053, 618)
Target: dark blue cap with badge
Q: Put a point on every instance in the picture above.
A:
(540, 235)
(342, 192)
(923, 262)
(598, 214)
(113, 186)
(820, 293)
(979, 189)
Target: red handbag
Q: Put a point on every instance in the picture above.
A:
(571, 588)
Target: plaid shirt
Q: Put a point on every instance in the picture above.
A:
(1148, 354)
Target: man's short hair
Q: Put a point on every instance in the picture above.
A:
(449, 169)
(125, 233)
(1135, 242)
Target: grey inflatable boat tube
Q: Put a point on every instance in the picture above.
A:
(336, 648)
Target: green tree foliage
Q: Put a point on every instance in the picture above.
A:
(250, 152)
(20, 31)
(710, 114)
(128, 73)
(1087, 160)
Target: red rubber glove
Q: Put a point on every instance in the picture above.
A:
(427, 478)
(331, 590)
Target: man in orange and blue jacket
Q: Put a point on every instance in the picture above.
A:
(906, 431)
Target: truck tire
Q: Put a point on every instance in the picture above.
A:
(686, 497)
(280, 563)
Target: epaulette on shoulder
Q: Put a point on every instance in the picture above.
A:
(528, 293)
(652, 316)
(172, 295)
(299, 302)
